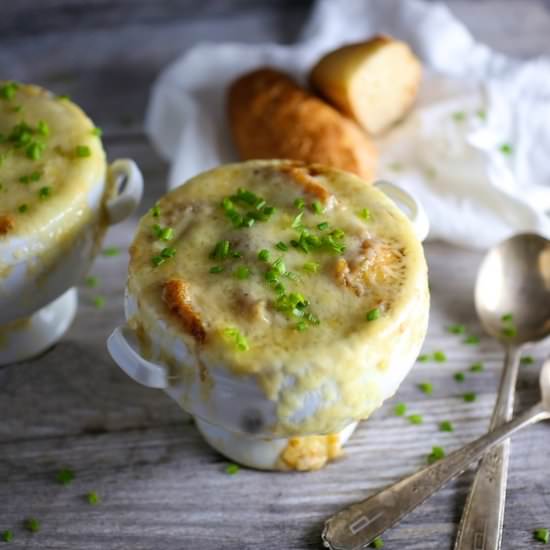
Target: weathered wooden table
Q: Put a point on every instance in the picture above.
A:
(161, 487)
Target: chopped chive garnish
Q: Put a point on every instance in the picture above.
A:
(99, 302)
(416, 419)
(155, 211)
(311, 267)
(506, 149)
(165, 254)
(507, 318)
(364, 213)
(373, 314)
(446, 426)
(437, 454)
(322, 226)
(221, 250)
(42, 128)
(32, 525)
(91, 281)
(22, 208)
(34, 150)
(7, 535)
(263, 255)
(93, 498)
(301, 326)
(527, 360)
(8, 90)
(299, 204)
(542, 535)
(459, 116)
(297, 222)
(317, 207)
(239, 340)
(232, 469)
(472, 340)
(477, 367)
(96, 131)
(111, 251)
(459, 376)
(163, 233)
(216, 269)
(279, 266)
(440, 356)
(469, 397)
(82, 151)
(65, 476)
(509, 332)
(45, 192)
(424, 358)
(400, 409)
(281, 246)
(242, 272)
(377, 543)
(456, 329)
(426, 388)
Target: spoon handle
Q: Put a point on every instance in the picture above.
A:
(483, 516)
(358, 525)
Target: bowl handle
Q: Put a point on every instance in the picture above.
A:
(128, 188)
(408, 205)
(131, 362)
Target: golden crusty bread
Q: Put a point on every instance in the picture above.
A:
(373, 82)
(271, 117)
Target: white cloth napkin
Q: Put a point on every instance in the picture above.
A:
(475, 151)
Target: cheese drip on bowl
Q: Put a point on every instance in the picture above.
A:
(301, 277)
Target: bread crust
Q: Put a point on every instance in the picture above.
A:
(271, 117)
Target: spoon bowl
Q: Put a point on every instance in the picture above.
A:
(512, 294)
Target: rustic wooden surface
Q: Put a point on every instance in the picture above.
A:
(162, 488)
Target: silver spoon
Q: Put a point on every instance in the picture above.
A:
(512, 298)
(357, 526)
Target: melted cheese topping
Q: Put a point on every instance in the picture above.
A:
(39, 195)
(382, 268)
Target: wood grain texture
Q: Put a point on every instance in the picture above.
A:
(162, 488)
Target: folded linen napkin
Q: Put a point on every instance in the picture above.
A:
(475, 151)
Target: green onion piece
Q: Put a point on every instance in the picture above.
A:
(242, 272)
(232, 469)
(34, 150)
(22, 208)
(221, 250)
(373, 314)
(281, 246)
(99, 302)
(426, 388)
(83, 151)
(322, 226)
(506, 149)
(7, 91)
(155, 211)
(542, 535)
(65, 476)
(507, 318)
(301, 326)
(509, 332)
(168, 252)
(32, 525)
(63, 97)
(527, 360)
(481, 114)
(437, 454)
(297, 222)
(400, 409)
(239, 340)
(263, 255)
(477, 367)
(459, 376)
(279, 266)
(111, 251)
(311, 267)
(93, 498)
(157, 260)
(45, 192)
(472, 340)
(469, 397)
(216, 269)
(459, 116)
(97, 131)
(42, 128)
(446, 426)
(7, 535)
(456, 329)
(440, 356)
(299, 204)
(377, 543)
(91, 281)
(424, 358)
(416, 419)
(364, 213)
(317, 207)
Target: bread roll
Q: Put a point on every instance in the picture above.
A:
(271, 117)
(374, 82)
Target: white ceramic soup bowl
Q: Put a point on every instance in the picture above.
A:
(232, 412)
(38, 300)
